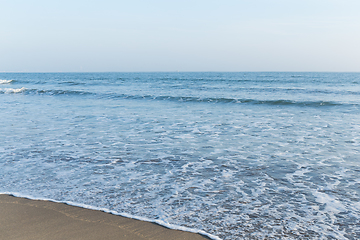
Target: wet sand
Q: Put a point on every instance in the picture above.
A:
(25, 219)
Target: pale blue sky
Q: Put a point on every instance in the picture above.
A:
(197, 35)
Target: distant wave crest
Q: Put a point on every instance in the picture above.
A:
(44, 92)
(238, 101)
(5, 81)
(12, 90)
(189, 99)
(58, 92)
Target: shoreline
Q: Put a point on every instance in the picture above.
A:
(24, 218)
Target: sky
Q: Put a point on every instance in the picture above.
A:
(179, 35)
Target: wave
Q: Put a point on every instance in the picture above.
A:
(73, 83)
(298, 90)
(58, 92)
(12, 90)
(188, 99)
(5, 81)
(280, 102)
(43, 92)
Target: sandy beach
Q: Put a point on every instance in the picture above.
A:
(25, 219)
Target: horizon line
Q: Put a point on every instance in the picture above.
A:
(179, 71)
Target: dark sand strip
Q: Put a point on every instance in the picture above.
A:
(25, 219)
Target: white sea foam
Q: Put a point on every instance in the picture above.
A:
(332, 204)
(5, 81)
(12, 90)
(357, 205)
(162, 223)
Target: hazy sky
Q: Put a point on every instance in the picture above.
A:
(174, 35)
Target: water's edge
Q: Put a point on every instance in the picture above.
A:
(85, 206)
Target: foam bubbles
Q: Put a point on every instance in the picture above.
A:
(332, 204)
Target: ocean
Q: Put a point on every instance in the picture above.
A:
(263, 155)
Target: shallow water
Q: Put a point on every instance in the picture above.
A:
(237, 155)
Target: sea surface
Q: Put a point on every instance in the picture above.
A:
(264, 155)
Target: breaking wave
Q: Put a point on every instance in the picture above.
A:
(5, 81)
(189, 99)
(12, 90)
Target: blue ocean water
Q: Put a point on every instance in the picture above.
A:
(237, 155)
